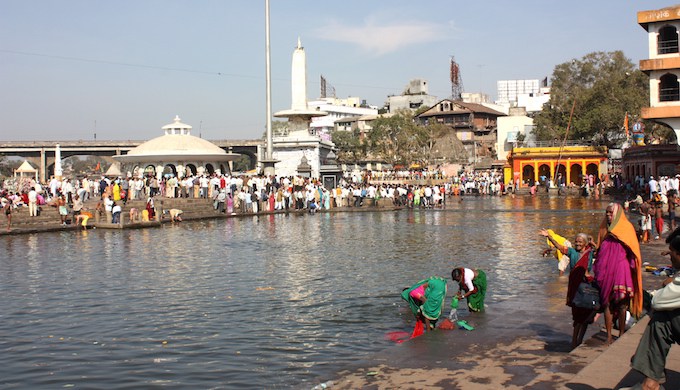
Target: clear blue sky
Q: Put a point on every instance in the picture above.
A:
(132, 65)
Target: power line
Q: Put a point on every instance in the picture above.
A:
(185, 70)
(80, 59)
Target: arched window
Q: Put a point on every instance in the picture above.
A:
(667, 40)
(669, 89)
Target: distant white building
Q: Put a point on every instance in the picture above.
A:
(352, 107)
(530, 94)
(415, 95)
(510, 129)
(475, 97)
(534, 102)
(509, 90)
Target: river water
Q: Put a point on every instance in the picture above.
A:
(275, 301)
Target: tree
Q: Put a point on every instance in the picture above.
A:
(242, 163)
(398, 139)
(601, 87)
(8, 165)
(87, 164)
(350, 148)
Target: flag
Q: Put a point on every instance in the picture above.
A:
(98, 167)
(625, 124)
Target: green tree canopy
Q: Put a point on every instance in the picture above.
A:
(398, 139)
(350, 148)
(601, 87)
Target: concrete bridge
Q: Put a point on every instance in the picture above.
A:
(41, 153)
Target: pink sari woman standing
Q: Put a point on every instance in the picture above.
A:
(618, 269)
(271, 200)
(230, 204)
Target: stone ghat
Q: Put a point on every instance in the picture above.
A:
(193, 209)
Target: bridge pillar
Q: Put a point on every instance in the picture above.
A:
(42, 168)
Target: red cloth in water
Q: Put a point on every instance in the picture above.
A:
(400, 337)
(418, 330)
(446, 324)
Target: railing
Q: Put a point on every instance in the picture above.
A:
(669, 94)
(554, 143)
(667, 47)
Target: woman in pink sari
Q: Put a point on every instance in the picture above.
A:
(618, 269)
(271, 200)
(230, 204)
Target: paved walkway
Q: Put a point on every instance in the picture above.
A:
(611, 369)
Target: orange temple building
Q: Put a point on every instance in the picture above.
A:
(529, 164)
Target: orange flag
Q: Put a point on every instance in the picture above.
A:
(625, 124)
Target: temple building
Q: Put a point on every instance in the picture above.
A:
(176, 153)
(546, 162)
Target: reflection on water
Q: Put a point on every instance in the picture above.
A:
(270, 301)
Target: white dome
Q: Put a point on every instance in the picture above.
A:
(177, 144)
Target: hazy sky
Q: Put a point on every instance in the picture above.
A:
(125, 68)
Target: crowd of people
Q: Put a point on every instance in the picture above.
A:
(233, 194)
(248, 194)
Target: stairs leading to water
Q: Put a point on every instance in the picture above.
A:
(193, 208)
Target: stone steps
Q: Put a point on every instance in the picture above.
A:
(193, 209)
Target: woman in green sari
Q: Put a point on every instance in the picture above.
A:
(472, 286)
(426, 299)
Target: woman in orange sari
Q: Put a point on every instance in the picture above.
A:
(618, 269)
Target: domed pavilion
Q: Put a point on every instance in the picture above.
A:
(176, 153)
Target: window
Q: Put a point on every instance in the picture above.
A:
(667, 40)
(669, 89)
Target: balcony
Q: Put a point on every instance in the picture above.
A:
(660, 64)
(661, 112)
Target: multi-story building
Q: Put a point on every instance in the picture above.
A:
(512, 129)
(530, 94)
(352, 107)
(415, 95)
(363, 124)
(663, 65)
(663, 68)
(474, 124)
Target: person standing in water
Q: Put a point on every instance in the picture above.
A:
(472, 286)
(425, 299)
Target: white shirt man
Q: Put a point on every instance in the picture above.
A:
(674, 183)
(653, 185)
(204, 182)
(115, 212)
(139, 188)
(33, 202)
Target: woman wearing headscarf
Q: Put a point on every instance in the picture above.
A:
(580, 262)
(618, 269)
(425, 299)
